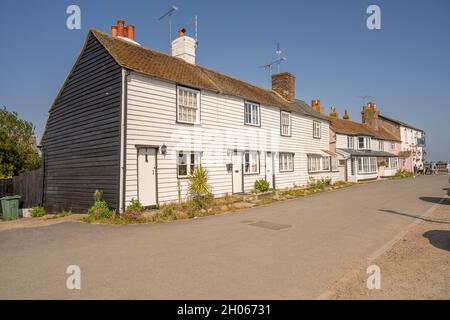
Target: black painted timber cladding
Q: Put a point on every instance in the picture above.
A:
(82, 139)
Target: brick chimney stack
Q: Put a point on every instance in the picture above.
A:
(121, 30)
(315, 104)
(284, 84)
(370, 115)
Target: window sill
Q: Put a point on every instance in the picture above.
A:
(252, 174)
(252, 125)
(322, 171)
(188, 123)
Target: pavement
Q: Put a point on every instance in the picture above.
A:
(294, 249)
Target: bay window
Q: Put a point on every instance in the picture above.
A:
(318, 163)
(392, 163)
(334, 164)
(367, 165)
(188, 105)
(326, 164)
(314, 163)
(251, 162)
(286, 162)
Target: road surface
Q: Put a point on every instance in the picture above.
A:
(287, 250)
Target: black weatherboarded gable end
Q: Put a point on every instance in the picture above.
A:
(82, 137)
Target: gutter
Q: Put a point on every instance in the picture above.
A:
(123, 139)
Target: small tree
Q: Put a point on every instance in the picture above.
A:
(18, 153)
(199, 189)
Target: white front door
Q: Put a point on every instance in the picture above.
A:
(270, 169)
(147, 176)
(237, 172)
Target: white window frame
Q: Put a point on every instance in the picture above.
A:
(334, 164)
(314, 164)
(392, 163)
(381, 145)
(317, 129)
(188, 105)
(285, 124)
(350, 142)
(326, 163)
(286, 162)
(251, 162)
(367, 165)
(252, 114)
(318, 163)
(366, 142)
(190, 159)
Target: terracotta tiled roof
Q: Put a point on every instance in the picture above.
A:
(164, 66)
(350, 127)
(400, 122)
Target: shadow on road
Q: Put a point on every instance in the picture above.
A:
(439, 239)
(434, 200)
(414, 217)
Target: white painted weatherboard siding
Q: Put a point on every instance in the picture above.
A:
(151, 121)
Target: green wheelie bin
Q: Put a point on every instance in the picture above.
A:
(10, 207)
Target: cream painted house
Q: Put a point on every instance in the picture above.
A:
(366, 151)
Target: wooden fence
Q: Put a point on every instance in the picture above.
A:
(28, 185)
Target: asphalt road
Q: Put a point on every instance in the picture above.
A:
(287, 250)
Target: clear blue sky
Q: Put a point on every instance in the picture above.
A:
(405, 66)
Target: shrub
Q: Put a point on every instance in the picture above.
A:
(318, 184)
(99, 209)
(402, 173)
(98, 195)
(262, 185)
(199, 189)
(37, 212)
(135, 205)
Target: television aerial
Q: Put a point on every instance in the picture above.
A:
(169, 14)
(193, 21)
(365, 99)
(277, 63)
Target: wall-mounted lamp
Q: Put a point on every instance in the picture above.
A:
(163, 149)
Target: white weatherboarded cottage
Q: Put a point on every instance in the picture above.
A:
(176, 115)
